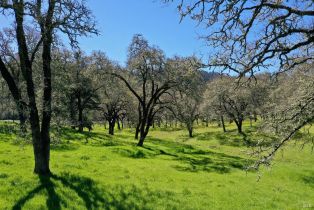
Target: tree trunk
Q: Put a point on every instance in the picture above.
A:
(111, 129)
(41, 147)
(118, 122)
(223, 123)
(141, 141)
(255, 117)
(239, 125)
(137, 131)
(190, 132)
(146, 122)
(80, 115)
(111, 126)
(143, 134)
(122, 124)
(22, 118)
(190, 129)
(40, 134)
(43, 155)
(40, 141)
(139, 121)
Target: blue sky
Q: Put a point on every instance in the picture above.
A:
(118, 21)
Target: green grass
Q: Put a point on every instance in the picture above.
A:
(172, 171)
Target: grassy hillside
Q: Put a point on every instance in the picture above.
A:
(172, 171)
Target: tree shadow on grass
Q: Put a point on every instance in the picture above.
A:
(53, 200)
(217, 162)
(187, 157)
(104, 139)
(167, 129)
(101, 140)
(64, 147)
(309, 179)
(135, 152)
(228, 138)
(93, 197)
(96, 139)
(84, 187)
(250, 138)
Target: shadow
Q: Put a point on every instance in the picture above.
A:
(72, 134)
(228, 138)
(6, 162)
(83, 187)
(167, 129)
(135, 152)
(309, 179)
(64, 147)
(251, 138)
(3, 176)
(191, 159)
(246, 139)
(92, 196)
(219, 163)
(53, 201)
(98, 139)
(186, 157)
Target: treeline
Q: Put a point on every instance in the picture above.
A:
(152, 90)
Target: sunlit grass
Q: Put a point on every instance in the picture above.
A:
(98, 171)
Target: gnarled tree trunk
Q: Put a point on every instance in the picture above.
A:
(223, 123)
(239, 124)
(112, 123)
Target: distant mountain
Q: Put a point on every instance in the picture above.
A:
(208, 76)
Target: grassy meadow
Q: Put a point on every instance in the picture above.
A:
(171, 171)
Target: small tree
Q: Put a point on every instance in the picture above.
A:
(114, 101)
(150, 80)
(212, 103)
(82, 92)
(186, 97)
(227, 97)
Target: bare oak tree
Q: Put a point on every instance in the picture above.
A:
(186, 97)
(68, 16)
(264, 32)
(146, 66)
(290, 109)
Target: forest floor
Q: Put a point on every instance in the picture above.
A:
(98, 171)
